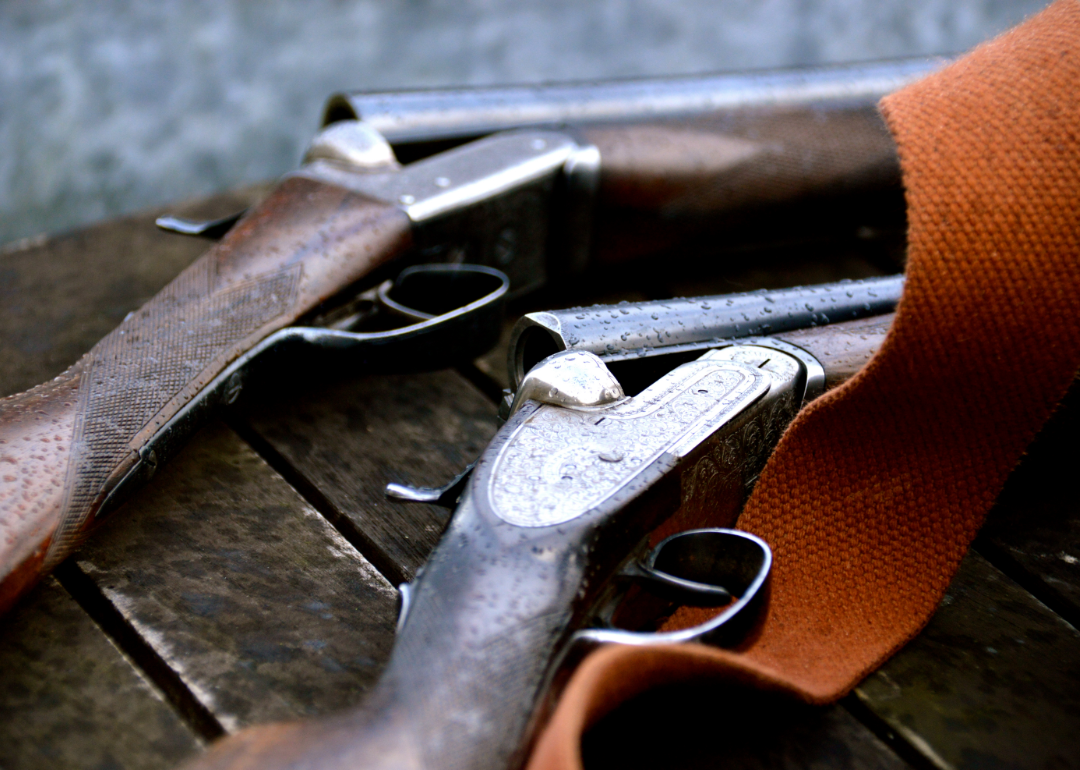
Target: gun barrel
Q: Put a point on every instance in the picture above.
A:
(685, 163)
(639, 329)
(434, 116)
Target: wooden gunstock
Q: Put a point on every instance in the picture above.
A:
(66, 446)
(842, 348)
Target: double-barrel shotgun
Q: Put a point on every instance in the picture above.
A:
(501, 190)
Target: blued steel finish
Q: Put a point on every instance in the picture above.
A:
(554, 507)
(437, 115)
(641, 329)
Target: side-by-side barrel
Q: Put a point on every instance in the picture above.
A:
(432, 116)
(633, 329)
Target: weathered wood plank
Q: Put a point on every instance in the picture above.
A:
(1033, 533)
(710, 725)
(990, 682)
(348, 440)
(263, 610)
(60, 295)
(69, 699)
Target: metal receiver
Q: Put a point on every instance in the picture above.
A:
(520, 201)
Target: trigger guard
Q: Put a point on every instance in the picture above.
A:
(442, 340)
(689, 551)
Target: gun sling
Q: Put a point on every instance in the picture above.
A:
(878, 488)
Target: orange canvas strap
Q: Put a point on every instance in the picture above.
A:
(877, 489)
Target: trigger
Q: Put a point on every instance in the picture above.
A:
(447, 495)
(208, 228)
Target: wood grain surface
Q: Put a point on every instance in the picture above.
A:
(70, 699)
(62, 294)
(346, 442)
(261, 607)
(1034, 530)
(999, 671)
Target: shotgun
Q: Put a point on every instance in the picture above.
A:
(536, 183)
(598, 513)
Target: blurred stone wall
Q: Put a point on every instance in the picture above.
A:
(115, 105)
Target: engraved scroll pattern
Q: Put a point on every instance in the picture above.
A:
(564, 462)
(133, 373)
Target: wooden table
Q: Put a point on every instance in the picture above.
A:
(254, 579)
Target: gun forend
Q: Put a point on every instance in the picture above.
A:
(682, 157)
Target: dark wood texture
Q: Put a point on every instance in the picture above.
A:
(303, 243)
(346, 442)
(991, 681)
(843, 348)
(261, 607)
(69, 700)
(1034, 530)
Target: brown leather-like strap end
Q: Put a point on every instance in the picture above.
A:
(257, 748)
(615, 674)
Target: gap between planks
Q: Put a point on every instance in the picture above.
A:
(1028, 580)
(317, 500)
(94, 603)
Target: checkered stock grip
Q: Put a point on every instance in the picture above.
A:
(67, 444)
